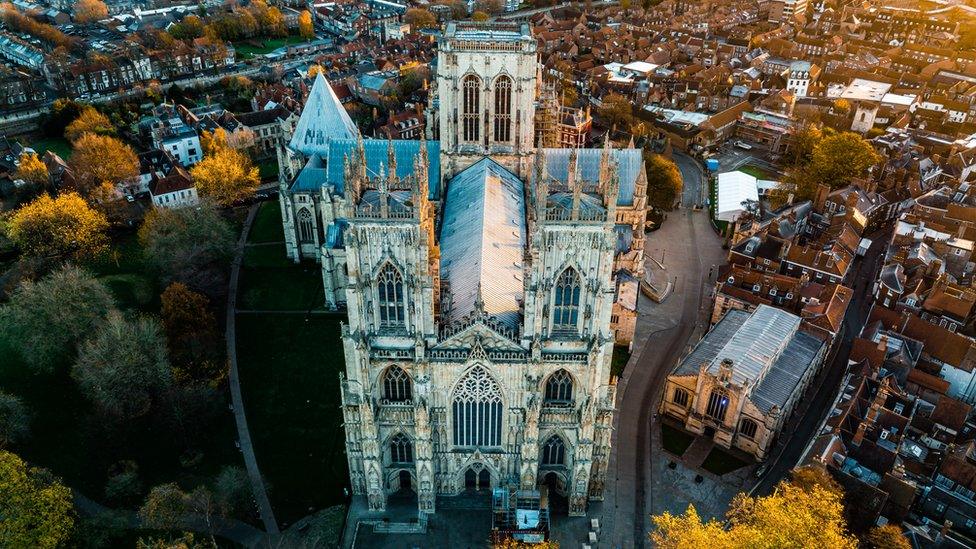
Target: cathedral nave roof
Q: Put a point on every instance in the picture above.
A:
(482, 241)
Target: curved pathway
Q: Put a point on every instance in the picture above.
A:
(243, 433)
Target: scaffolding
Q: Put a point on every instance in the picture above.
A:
(522, 515)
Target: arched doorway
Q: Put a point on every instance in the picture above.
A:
(477, 479)
(406, 483)
(558, 502)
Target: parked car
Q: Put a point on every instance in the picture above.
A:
(743, 145)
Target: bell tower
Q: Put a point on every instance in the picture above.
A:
(486, 88)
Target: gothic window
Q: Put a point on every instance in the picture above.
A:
(396, 385)
(470, 108)
(554, 451)
(503, 109)
(477, 410)
(680, 397)
(559, 388)
(748, 428)
(401, 449)
(718, 404)
(566, 306)
(390, 287)
(306, 231)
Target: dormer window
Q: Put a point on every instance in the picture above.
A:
(756, 287)
(772, 292)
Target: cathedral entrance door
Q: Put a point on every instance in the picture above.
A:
(405, 483)
(476, 480)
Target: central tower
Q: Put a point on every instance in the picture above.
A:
(486, 86)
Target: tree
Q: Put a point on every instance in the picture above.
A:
(123, 483)
(838, 158)
(479, 16)
(188, 245)
(45, 320)
(32, 170)
(305, 27)
(420, 18)
(166, 507)
(35, 508)
(191, 331)
(804, 141)
(88, 121)
(90, 10)
(625, 4)
(14, 420)
(889, 536)
(232, 492)
(664, 182)
(791, 517)
(226, 176)
(62, 113)
(274, 23)
(186, 541)
(99, 159)
(617, 112)
(64, 226)
(812, 476)
(190, 27)
(124, 367)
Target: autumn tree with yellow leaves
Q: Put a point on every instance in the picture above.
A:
(305, 27)
(225, 175)
(99, 161)
(31, 169)
(64, 226)
(89, 121)
(35, 508)
(794, 516)
(90, 10)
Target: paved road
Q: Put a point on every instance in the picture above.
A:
(689, 247)
(825, 388)
(694, 181)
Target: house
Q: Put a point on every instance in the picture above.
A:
(173, 190)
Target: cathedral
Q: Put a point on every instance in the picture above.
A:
(486, 280)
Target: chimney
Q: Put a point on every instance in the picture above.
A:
(859, 435)
(883, 343)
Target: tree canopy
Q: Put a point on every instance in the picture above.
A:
(90, 120)
(617, 112)
(45, 320)
(792, 517)
(64, 226)
(305, 27)
(124, 367)
(98, 160)
(420, 18)
(664, 182)
(191, 331)
(14, 420)
(188, 245)
(825, 157)
(86, 11)
(889, 536)
(31, 169)
(226, 175)
(35, 508)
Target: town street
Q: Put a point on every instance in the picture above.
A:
(687, 246)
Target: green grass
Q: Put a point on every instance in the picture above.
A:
(267, 224)
(720, 462)
(57, 145)
(268, 170)
(289, 367)
(246, 49)
(291, 288)
(757, 172)
(267, 256)
(675, 440)
(621, 354)
(133, 291)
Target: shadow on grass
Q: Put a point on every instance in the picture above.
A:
(675, 440)
(720, 462)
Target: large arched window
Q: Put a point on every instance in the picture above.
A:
(401, 449)
(559, 388)
(397, 386)
(680, 397)
(718, 404)
(567, 300)
(748, 428)
(470, 108)
(306, 231)
(503, 109)
(553, 451)
(390, 288)
(477, 410)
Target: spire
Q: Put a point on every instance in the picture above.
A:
(575, 184)
(391, 159)
(541, 189)
(479, 302)
(360, 156)
(323, 119)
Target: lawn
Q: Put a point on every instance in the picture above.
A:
(289, 368)
(268, 170)
(757, 172)
(675, 440)
(289, 287)
(267, 225)
(57, 145)
(123, 269)
(720, 462)
(246, 49)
